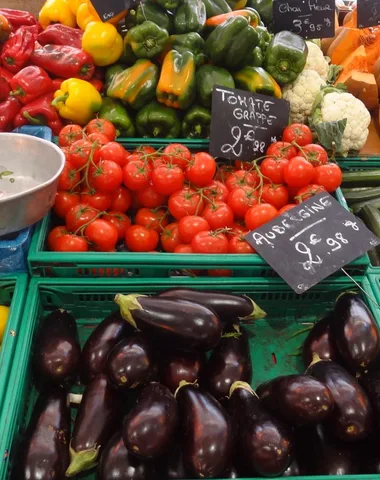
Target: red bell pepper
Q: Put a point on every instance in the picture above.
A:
(17, 50)
(57, 34)
(18, 18)
(57, 82)
(40, 112)
(6, 74)
(8, 112)
(98, 84)
(64, 61)
(34, 29)
(30, 83)
(4, 89)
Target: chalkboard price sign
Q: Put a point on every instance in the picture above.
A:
(311, 241)
(368, 13)
(243, 124)
(108, 9)
(307, 18)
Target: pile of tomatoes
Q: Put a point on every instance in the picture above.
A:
(176, 201)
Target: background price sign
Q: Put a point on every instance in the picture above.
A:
(368, 13)
(243, 124)
(108, 9)
(311, 241)
(307, 18)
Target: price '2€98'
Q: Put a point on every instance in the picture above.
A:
(236, 147)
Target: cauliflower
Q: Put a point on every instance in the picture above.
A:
(316, 61)
(301, 95)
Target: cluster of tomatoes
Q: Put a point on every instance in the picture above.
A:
(176, 201)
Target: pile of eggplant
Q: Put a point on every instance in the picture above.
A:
(167, 395)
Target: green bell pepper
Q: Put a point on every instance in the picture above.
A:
(169, 4)
(257, 80)
(149, 11)
(256, 58)
(190, 16)
(207, 77)
(117, 114)
(147, 40)
(189, 42)
(231, 42)
(286, 57)
(264, 8)
(216, 7)
(111, 72)
(157, 120)
(196, 123)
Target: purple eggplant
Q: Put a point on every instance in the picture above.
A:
(173, 466)
(370, 381)
(230, 472)
(98, 416)
(293, 470)
(116, 463)
(297, 399)
(130, 363)
(320, 341)
(264, 444)
(229, 362)
(150, 426)
(175, 324)
(178, 366)
(45, 452)
(206, 432)
(227, 306)
(352, 418)
(368, 454)
(355, 332)
(57, 352)
(100, 343)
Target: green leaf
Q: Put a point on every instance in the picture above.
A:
(330, 134)
(333, 73)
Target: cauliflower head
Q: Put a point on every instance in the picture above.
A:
(301, 95)
(338, 106)
(316, 60)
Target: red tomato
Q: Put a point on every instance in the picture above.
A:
(306, 192)
(242, 178)
(329, 176)
(287, 207)
(136, 175)
(218, 215)
(238, 227)
(101, 235)
(299, 172)
(106, 176)
(141, 239)
(183, 249)
(167, 179)
(170, 237)
(177, 154)
(79, 153)
(201, 169)
(299, 133)
(315, 154)
(69, 134)
(148, 197)
(282, 149)
(260, 214)
(121, 200)
(69, 177)
(273, 169)
(120, 221)
(98, 200)
(144, 150)
(115, 152)
(100, 125)
(98, 139)
(292, 193)
(153, 218)
(78, 216)
(241, 200)
(64, 201)
(185, 202)
(238, 244)
(219, 272)
(216, 191)
(209, 242)
(70, 243)
(241, 165)
(54, 234)
(223, 171)
(277, 195)
(190, 225)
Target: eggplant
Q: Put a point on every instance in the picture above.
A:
(352, 418)
(293, 470)
(150, 426)
(206, 432)
(176, 324)
(264, 445)
(57, 353)
(45, 449)
(230, 472)
(297, 399)
(100, 343)
(368, 455)
(98, 416)
(130, 363)
(116, 463)
(229, 362)
(370, 381)
(354, 331)
(173, 464)
(320, 341)
(179, 366)
(227, 306)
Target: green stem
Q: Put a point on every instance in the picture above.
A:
(60, 99)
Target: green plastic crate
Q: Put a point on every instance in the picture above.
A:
(272, 340)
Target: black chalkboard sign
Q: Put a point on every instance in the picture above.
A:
(108, 9)
(307, 18)
(368, 13)
(311, 241)
(244, 124)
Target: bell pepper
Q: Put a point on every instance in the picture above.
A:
(196, 123)
(30, 83)
(5, 89)
(56, 11)
(17, 51)
(136, 85)
(77, 101)
(207, 77)
(169, 4)
(249, 13)
(18, 18)
(61, 35)
(286, 57)
(35, 30)
(57, 82)
(84, 17)
(74, 5)
(149, 11)
(264, 8)
(190, 16)
(9, 109)
(256, 58)
(189, 42)
(5, 29)
(64, 61)
(103, 42)
(147, 40)
(39, 112)
(230, 43)
(237, 4)
(98, 84)
(176, 86)
(111, 72)
(257, 80)
(115, 112)
(216, 7)
(156, 120)
(6, 74)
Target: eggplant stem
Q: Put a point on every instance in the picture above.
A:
(81, 461)
(244, 385)
(316, 359)
(127, 304)
(256, 314)
(183, 383)
(307, 329)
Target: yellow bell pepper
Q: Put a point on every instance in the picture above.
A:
(103, 42)
(74, 5)
(84, 16)
(77, 100)
(56, 11)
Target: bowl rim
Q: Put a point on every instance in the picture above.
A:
(41, 185)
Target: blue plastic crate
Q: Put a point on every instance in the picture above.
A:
(44, 133)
